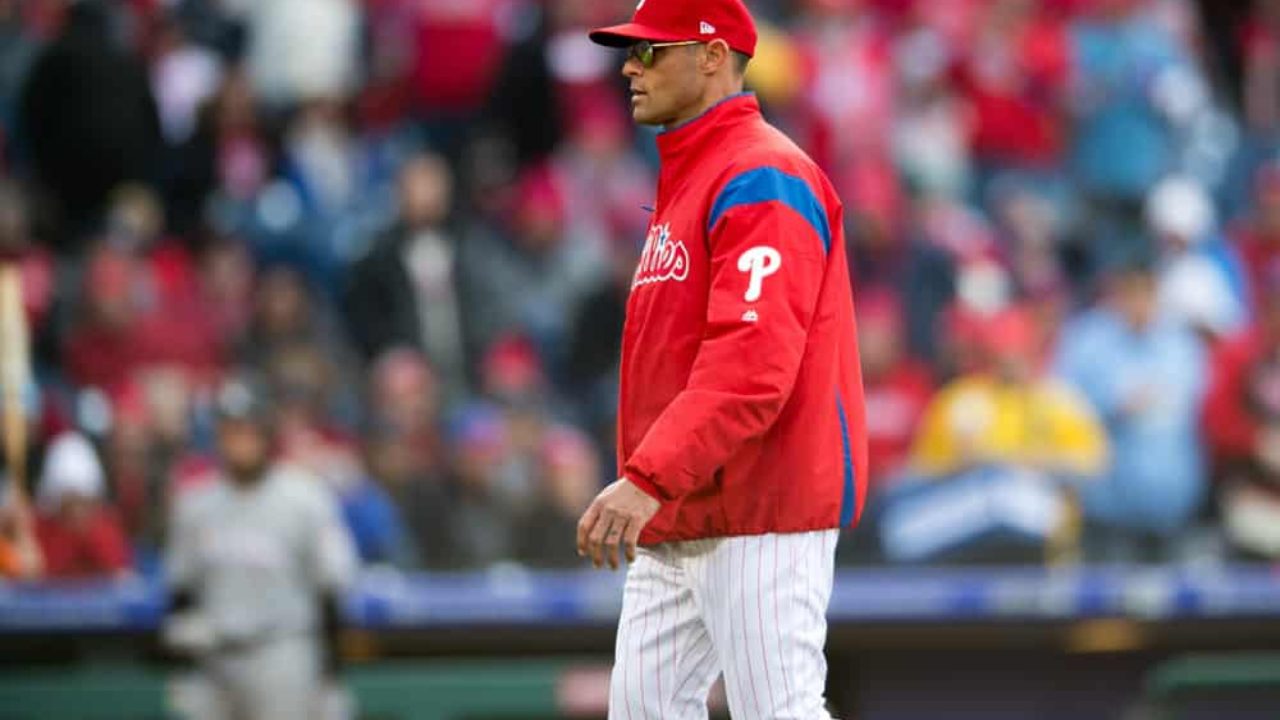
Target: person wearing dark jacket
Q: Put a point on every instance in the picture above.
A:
(89, 120)
(405, 291)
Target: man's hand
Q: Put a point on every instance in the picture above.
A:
(615, 518)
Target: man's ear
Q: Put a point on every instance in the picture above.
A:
(716, 55)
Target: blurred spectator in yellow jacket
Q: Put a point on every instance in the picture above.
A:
(1010, 413)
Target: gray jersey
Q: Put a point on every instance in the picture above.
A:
(257, 558)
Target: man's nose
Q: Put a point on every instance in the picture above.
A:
(631, 68)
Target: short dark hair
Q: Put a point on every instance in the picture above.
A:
(740, 60)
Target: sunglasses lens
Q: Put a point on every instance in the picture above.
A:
(643, 51)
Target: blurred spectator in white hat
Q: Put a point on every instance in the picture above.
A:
(303, 49)
(1201, 277)
(80, 534)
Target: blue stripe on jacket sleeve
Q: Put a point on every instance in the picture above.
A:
(768, 184)
(849, 502)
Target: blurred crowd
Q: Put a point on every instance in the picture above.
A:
(418, 220)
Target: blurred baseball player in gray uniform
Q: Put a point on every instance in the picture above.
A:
(256, 564)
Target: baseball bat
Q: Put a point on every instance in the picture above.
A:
(15, 373)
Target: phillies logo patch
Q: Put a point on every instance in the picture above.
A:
(761, 262)
(663, 259)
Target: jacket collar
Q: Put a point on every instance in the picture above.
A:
(677, 144)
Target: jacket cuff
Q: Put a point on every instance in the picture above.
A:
(644, 484)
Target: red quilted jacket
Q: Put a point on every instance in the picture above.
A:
(741, 403)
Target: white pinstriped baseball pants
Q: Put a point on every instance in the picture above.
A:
(753, 608)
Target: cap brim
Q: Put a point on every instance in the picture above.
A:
(620, 36)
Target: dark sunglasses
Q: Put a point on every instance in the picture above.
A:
(645, 51)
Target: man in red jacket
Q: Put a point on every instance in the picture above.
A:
(741, 423)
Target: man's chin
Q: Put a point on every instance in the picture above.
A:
(644, 118)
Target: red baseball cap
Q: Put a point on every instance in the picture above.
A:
(678, 20)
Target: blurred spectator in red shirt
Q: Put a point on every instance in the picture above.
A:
(80, 534)
(139, 312)
(1242, 426)
(1260, 44)
(457, 49)
(103, 349)
(898, 388)
(848, 82)
(135, 224)
(1014, 76)
(1258, 236)
(172, 285)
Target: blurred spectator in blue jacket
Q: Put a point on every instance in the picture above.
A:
(1134, 86)
(372, 516)
(1146, 375)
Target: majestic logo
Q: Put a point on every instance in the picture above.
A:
(704, 27)
(761, 261)
(663, 258)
